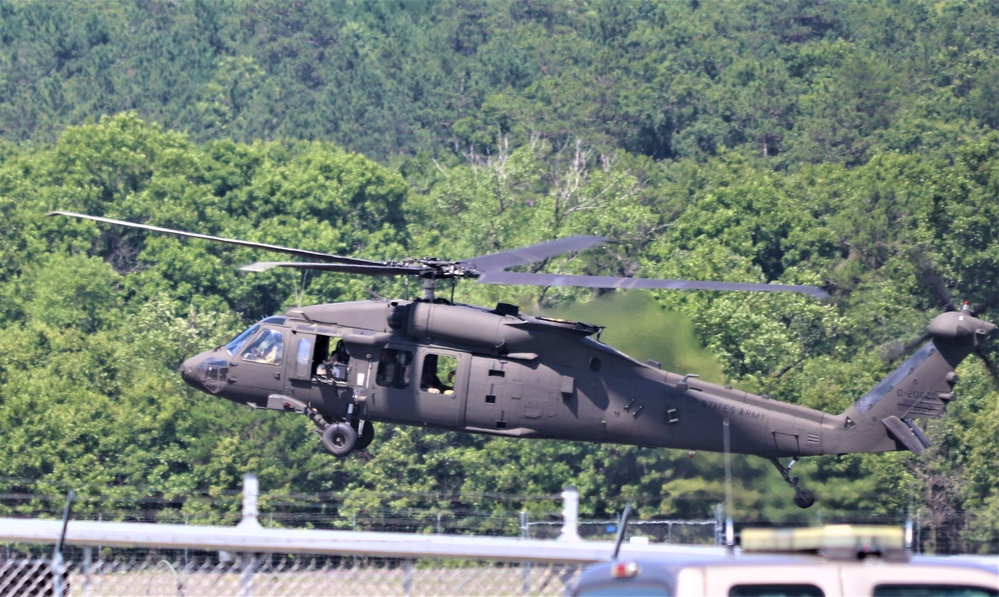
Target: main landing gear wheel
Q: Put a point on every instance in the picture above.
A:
(365, 435)
(339, 439)
(802, 497)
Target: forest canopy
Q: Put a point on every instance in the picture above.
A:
(849, 145)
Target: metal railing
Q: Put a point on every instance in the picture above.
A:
(111, 558)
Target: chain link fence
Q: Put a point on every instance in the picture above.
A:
(119, 572)
(99, 569)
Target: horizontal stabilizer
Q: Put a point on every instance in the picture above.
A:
(907, 434)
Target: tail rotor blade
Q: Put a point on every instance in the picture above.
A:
(982, 307)
(989, 365)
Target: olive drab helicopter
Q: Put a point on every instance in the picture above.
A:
(431, 362)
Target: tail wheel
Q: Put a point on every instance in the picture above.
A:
(365, 435)
(339, 439)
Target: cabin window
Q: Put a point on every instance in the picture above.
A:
(394, 368)
(267, 348)
(303, 358)
(776, 589)
(437, 374)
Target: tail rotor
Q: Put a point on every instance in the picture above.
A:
(932, 280)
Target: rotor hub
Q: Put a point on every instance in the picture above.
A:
(957, 325)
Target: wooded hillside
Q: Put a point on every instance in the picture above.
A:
(851, 145)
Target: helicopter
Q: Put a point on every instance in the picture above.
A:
(494, 370)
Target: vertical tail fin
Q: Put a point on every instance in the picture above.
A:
(921, 388)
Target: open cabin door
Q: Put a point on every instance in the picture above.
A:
(311, 373)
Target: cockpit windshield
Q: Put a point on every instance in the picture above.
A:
(234, 345)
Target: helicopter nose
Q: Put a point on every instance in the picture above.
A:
(188, 371)
(205, 372)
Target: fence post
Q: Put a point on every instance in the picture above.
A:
(407, 583)
(525, 566)
(250, 521)
(570, 515)
(60, 582)
(58, 574)
(247, 563)
(719, 539)
(251, 489)
(87, 564)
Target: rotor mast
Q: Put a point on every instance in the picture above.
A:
(429, 288)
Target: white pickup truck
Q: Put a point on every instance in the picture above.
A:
(827, 561)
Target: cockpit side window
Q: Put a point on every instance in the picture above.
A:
(234, 345)
(267, 348)
(394, 368)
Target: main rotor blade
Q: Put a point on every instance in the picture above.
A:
(525, 255)
(347, 268)
(529, 279)
(929, 276)
(232, 241)
(896, 348)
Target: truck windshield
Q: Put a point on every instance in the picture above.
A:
(936, 589)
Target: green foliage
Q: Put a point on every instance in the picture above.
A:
(850, 145)
(800, 81)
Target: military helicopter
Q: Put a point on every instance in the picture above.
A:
(497, 371)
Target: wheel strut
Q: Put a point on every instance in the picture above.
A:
(316, 418)
(802, 497)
